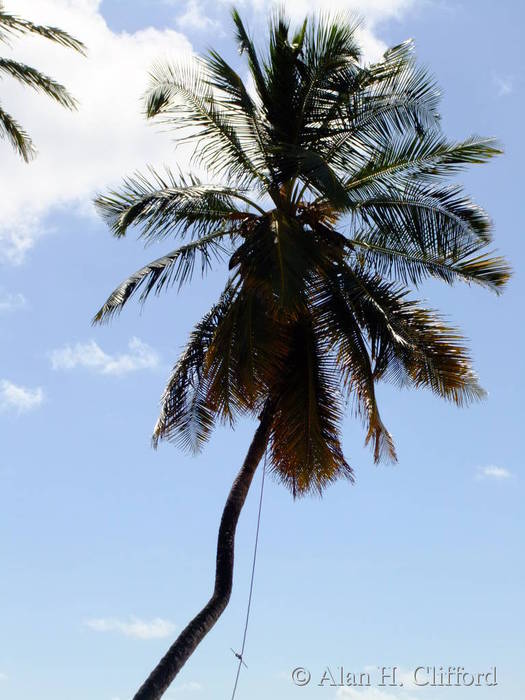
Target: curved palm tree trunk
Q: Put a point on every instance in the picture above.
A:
(163, 674)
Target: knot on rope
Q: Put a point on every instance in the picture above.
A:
(239, 657)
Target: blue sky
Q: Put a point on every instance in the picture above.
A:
(107, 547)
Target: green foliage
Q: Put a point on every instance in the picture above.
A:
(337, 204)
(12, 27)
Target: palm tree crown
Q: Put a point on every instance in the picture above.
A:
(13, 26)
(329, 202)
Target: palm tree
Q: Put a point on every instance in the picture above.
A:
(13, 26)
(328, 203)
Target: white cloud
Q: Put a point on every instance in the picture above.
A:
(372, 12)
(196, 17)
(85, 151)
(11, 302)
(91, 356)
(407, 678)
(89, 150)
(135, 628)
(18, 398)
(493, 472)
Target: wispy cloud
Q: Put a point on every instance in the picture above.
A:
(3, 676)
(504, 84)
(190, 687)
(19, 398)
(493, 472)
(91, 356)
(404, 691)
(196, 17)
(371, 10)
(371, 694)
(134, 628)
(10, 301)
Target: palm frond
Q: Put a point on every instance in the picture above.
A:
(312, 169)
(415, 156)
(305, 451)
(162, 205)
(246, 45)
(241, 109)
(409, 344)
(175, 267)
(329, 64)
(440, 220)
(380, 102)
(13, 25)
(180, 96)
(185, 416)
(338, 324)
(16, 135)
(38, 81)
(230, 364)
(408, 265)
(398, 81)
(438, 358)
(283, 81)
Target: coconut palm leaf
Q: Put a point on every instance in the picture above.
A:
(38, 81)
(410, 344)
(12, 27)
(306, 453)
(241, 109)
(181, 96)
(185, 416)
(162, 205)
(175, 267)
(428, 156)
(344, 338)
(410, 266)
(234, 345)
(383, 101)
(440, 221)
(19, 139)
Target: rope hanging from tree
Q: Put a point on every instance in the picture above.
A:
(240, 655)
